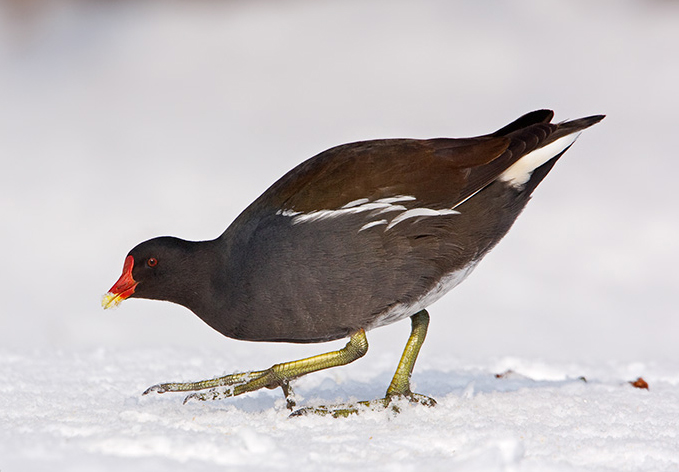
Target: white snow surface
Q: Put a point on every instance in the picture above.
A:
(73, 411)
(122, 121)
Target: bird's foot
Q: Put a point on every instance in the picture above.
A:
(393, 403)
(220, 393)
(227, 386)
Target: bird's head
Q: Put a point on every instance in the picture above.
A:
(157, 269)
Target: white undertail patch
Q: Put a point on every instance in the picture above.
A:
(519, 173)
(443, 286)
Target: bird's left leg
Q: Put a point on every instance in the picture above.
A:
(278, 375)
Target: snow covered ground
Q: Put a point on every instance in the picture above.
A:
(120, 121)
(83, 411)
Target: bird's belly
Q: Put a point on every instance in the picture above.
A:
(334, 281)
(400, 311)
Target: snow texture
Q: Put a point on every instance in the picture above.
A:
(84, 411)
(122, 121)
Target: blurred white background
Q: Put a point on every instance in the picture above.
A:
(121, 121)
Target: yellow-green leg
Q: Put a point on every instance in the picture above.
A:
(400, 383)
(278, 375)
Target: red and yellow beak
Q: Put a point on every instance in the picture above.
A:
(123, 288)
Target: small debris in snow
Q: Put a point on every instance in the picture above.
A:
(510, 374)
(640, 383)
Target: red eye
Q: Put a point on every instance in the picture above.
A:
(152, 262)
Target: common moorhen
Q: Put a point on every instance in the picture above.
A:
(359, 236)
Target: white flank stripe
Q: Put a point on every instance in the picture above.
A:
(398, 198)
(289, 213)
(381, 205)
(360, 201)
(392, 208)
(377, 208)
(415, 212)
(519, 173)
(323, 214)
(373, 223)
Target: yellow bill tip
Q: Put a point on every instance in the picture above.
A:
(111, 300)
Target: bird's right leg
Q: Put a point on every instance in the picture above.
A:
(278, 375)
(400, 384)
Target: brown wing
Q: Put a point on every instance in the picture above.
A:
(434, 171)
(442, 172)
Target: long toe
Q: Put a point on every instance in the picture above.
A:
(397, 401)
(158, 388)
(393, 403)
(336, 411)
